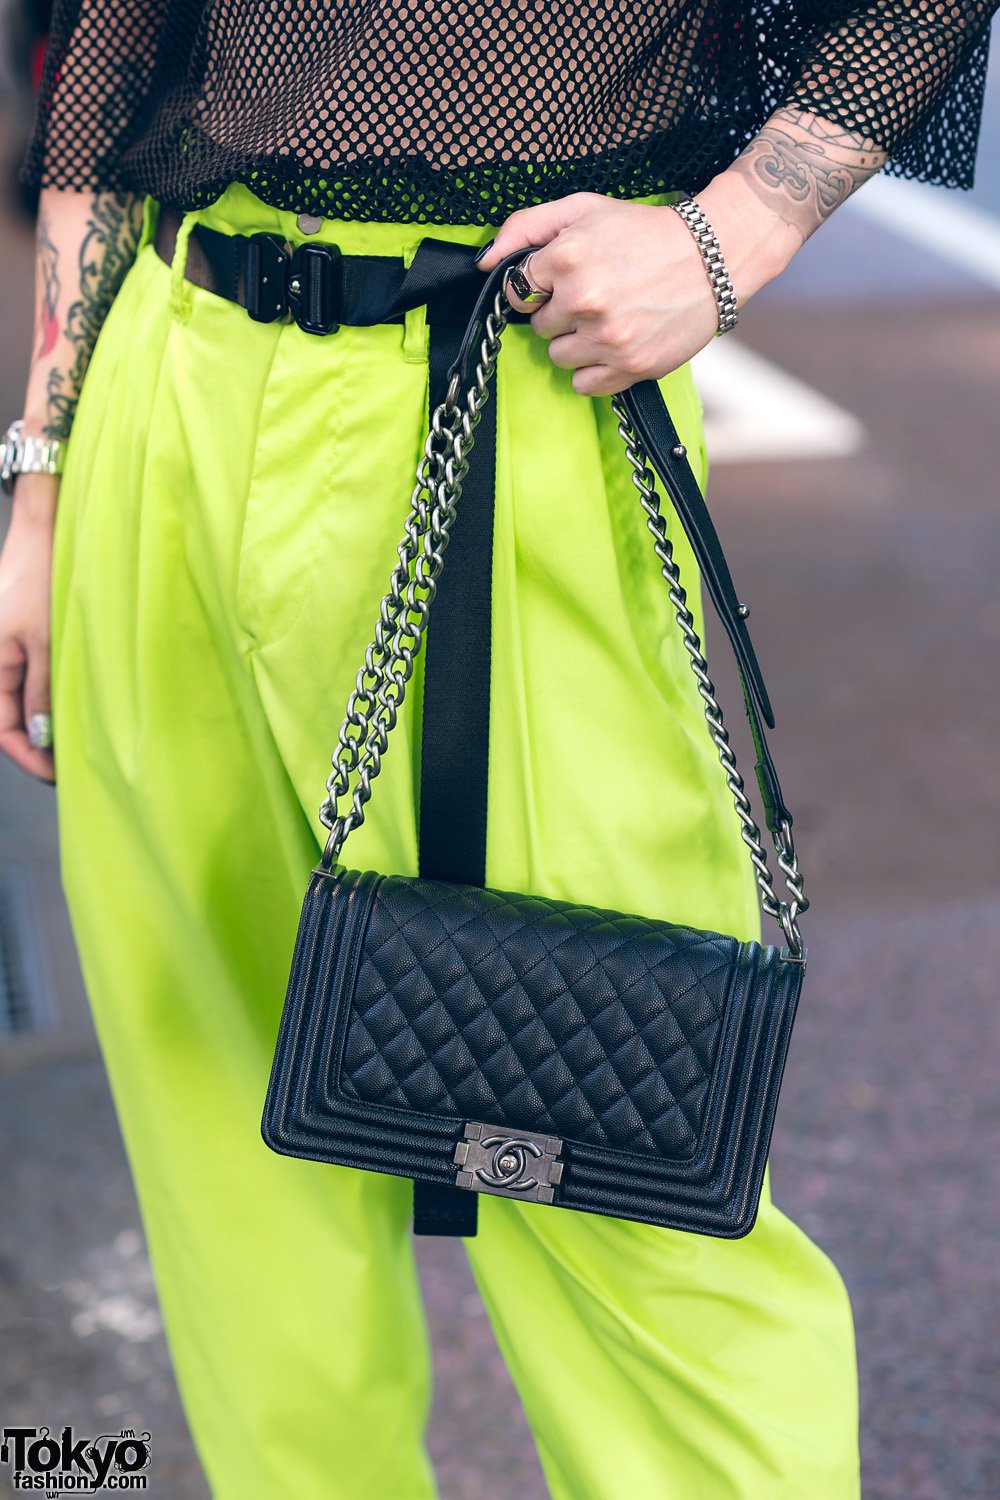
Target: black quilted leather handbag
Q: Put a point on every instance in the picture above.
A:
(483, 1041)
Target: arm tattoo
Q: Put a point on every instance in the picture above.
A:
(803, 167)
(106, 252)
(48, 262)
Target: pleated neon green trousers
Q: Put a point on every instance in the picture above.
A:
(228, 520)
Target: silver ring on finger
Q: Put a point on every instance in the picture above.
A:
(524, 288)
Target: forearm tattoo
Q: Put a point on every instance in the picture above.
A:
(803, 166)
(106, 252)
(48, 266)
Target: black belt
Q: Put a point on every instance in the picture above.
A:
(319, 287)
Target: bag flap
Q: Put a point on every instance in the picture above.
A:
(539, 1015)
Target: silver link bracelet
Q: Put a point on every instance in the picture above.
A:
(715, 264)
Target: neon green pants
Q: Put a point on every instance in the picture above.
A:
(229, 516)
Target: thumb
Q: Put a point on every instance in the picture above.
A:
(533, 226)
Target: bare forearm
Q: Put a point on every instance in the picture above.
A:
(85, 244)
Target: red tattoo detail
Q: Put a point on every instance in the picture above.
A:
(50, 334)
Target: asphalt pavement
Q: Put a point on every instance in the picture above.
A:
(865, 533)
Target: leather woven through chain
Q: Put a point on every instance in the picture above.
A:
(541, 1015)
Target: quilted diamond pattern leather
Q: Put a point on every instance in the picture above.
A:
(562, 1019)
(654, 1052)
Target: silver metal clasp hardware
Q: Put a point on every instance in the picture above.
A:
(493, 1159)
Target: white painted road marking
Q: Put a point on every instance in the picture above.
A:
(757, 412)
(960, 233)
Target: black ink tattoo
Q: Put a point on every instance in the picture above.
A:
(106, 252)
(804, 166)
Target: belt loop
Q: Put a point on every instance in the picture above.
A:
(181, 300)
(150, 218)
(416, 342)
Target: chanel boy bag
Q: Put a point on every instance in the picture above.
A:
(486, 1041)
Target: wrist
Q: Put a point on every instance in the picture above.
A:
(34, 501)
(756, 242)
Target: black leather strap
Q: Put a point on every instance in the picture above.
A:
(655, 429)
(659, 437)
(665, 452)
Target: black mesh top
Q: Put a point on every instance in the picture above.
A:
(465, 110)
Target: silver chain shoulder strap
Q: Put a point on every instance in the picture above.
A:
(380, 687)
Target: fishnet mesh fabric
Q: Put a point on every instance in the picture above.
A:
(465, 110)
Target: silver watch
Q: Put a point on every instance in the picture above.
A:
(28, 455)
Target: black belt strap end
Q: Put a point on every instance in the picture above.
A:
(439, 1208)
(454, 754)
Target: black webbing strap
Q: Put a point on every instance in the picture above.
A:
(454, 754)
(440, 1209)
(456, 712)
(364, 289)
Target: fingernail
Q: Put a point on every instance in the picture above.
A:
(483, 251)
